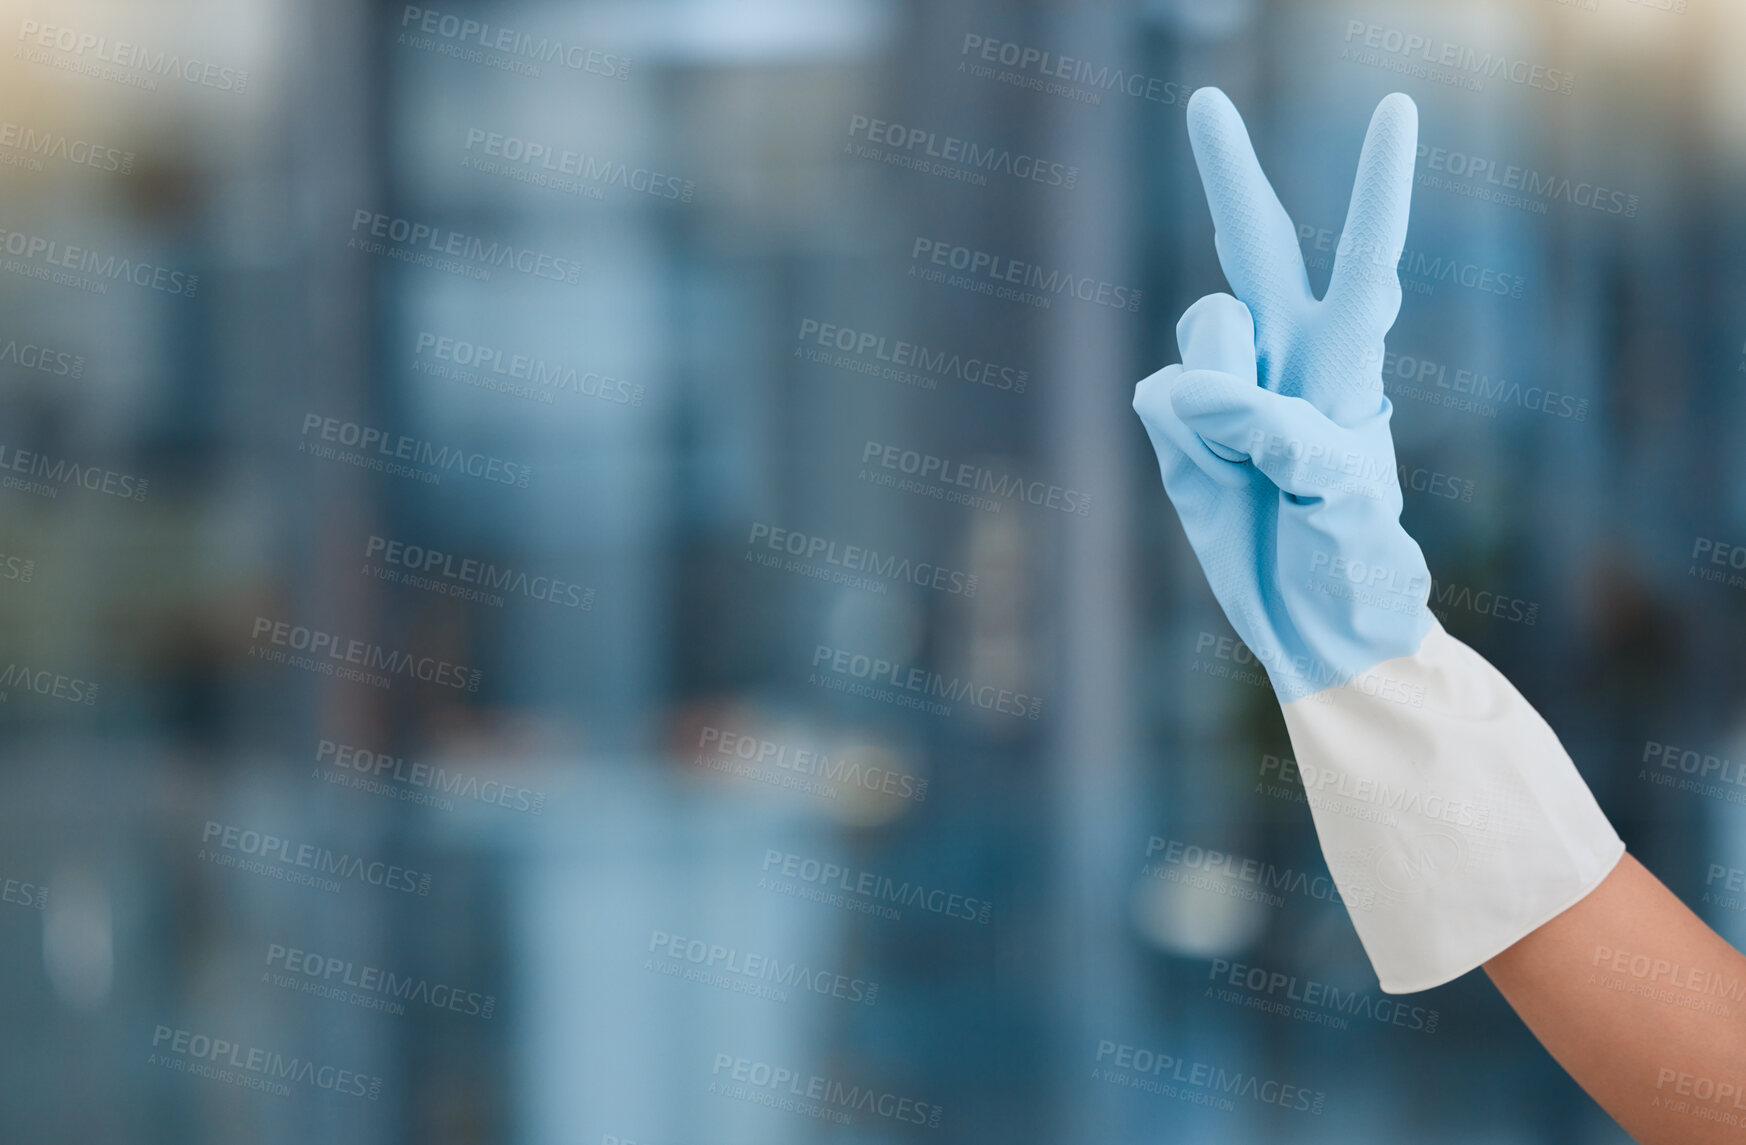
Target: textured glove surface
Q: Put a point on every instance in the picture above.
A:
(1452, 820)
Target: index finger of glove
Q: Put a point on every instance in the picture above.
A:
(1173, 441)
(1256, 241)
(1289, 440)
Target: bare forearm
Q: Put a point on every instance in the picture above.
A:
(1641, 1003)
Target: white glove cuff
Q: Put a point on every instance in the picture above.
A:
(1452, 820)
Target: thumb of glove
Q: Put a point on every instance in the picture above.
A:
(1218, 333)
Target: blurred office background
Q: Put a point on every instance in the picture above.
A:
(647, 907)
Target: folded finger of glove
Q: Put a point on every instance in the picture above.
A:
(1289, 440)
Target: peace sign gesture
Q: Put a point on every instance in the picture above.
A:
(1328, 351)
(1273, 440)
(1273, 434)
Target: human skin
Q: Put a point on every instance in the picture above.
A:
(1641, 1003)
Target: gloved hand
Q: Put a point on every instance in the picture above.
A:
(1451, 818)
(1296, 519)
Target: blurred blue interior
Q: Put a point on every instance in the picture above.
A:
(548, 595)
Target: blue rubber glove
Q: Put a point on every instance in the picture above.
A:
(1273, 437)
(1328, 350)
(1451, 818)
(1299, 534)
